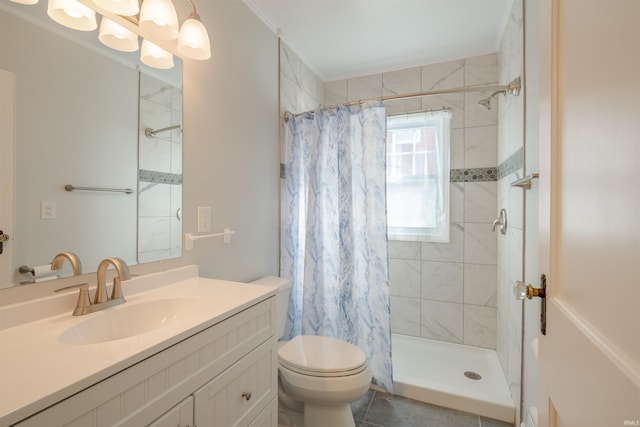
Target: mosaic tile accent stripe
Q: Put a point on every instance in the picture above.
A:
(473, 175)
(159, 177)
(512, 164)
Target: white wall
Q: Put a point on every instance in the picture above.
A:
(231, 143)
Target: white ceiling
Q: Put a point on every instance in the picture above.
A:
(347, 38)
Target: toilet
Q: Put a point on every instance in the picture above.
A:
(318, 377)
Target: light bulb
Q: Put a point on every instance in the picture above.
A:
(75, 14)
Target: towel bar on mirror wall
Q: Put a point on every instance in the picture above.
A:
(70, 187)
(525, 182)
(190, 237)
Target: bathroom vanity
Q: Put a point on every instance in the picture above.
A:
(183, 350)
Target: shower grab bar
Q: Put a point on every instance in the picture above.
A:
(525, 182)
(70, 187)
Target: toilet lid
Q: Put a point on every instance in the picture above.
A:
(321, 356)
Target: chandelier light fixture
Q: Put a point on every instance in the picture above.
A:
(159, 18)
(116, 36)
(154, 56)
(27, 2)
(120, 7)
(72, 14)
(193, 41)
(126, 20)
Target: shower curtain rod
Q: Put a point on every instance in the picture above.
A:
(512, 88)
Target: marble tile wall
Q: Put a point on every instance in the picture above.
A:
(159, 172)
(446, 291)
(510, 167)
(300, 88)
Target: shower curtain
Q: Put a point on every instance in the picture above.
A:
(334, 230)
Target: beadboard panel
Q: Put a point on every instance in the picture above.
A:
(221, 402)
(141, 393)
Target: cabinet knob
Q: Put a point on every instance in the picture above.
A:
(246, 395)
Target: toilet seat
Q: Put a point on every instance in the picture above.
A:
(319, 356)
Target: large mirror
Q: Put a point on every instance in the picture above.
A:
(81, 111)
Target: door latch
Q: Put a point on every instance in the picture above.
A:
(3, 238)
(523, 291)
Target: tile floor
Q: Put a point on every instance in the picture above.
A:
(378, 409)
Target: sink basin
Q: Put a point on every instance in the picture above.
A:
(128, 320)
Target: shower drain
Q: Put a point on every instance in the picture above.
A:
(472, 375)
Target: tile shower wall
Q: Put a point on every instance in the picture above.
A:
(446, 291)
(300, 88)
(510, 168)
(159, 172)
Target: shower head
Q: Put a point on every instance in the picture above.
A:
(513, 88)
(486, 103)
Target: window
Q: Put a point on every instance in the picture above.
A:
(418, 176)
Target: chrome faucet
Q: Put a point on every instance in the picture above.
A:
(100, 299)
(73, 259)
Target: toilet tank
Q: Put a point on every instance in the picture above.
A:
(282, 300)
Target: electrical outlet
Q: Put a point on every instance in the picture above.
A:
(204, 220)
(47, 210)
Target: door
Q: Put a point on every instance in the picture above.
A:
(590, 212)
(7, 146)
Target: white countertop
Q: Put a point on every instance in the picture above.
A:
(38, 370)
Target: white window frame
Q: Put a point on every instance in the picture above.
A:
(440, 121)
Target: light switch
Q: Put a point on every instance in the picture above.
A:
(47, 210)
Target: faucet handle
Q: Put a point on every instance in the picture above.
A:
(81, 285)
(501, 222)
(83, 305)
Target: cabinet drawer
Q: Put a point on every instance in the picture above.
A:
(179, 415)
(239, 394)
(141, 393)
(268, 417)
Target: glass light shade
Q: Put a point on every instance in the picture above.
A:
(117, 37)
(27, 2)
(119, 7)
(159, 19)
(193, 41)
(155, 56)
(72, 14)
